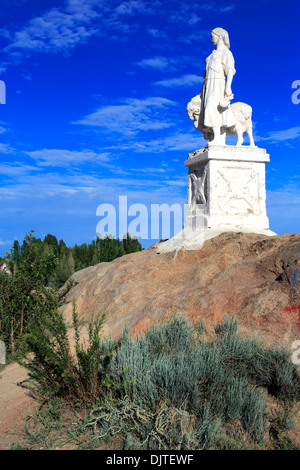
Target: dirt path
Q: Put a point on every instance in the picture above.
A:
(15, 403)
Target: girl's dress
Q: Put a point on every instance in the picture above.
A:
(218, 64)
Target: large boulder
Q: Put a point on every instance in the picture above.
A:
(248, 275)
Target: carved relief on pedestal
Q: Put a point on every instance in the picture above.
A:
(237, 191)
(198, 186)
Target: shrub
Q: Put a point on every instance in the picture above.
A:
(54, 371)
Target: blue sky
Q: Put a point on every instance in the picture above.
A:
(96, 105)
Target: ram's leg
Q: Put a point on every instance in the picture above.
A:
(239, 132)
(249, 131)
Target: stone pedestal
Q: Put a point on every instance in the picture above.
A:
(226, 193)
(228, 185)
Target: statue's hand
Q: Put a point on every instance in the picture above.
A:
(229, 94)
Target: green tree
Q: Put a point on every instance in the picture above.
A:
(24, 291)
(131, 245)
(52, 241)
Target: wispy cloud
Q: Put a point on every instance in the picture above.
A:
(132, 6)
(167, 64)
(131, 116)
(60, 29)
(189, 14)
(3, 243)
(157, 33)
(83, 187)
(16, 169)
(213, 6)
(54, 31)
(282, 135)
(178, 141)
(227, 9)
(189, 19)
(5, 148)
(149, 171)
(178, 82)
(63, 158)
(157, 62)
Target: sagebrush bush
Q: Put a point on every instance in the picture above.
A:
(214, 382)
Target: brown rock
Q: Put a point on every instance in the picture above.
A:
(243, 274)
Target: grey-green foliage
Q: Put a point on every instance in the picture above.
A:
(215, 382)
(171, 388)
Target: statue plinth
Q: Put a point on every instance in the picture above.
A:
(227, 183)
(226, 193)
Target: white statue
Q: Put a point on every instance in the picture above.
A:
(211, 111)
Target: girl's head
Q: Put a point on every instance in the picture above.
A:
(220, 33)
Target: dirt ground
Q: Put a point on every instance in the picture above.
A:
(15, 403)
(15, 400)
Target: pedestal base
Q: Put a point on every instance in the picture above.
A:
(226, 193)
(229, 182)
(194, 241)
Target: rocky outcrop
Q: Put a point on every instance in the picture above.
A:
(248, 275)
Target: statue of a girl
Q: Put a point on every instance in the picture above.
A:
(215, 113)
